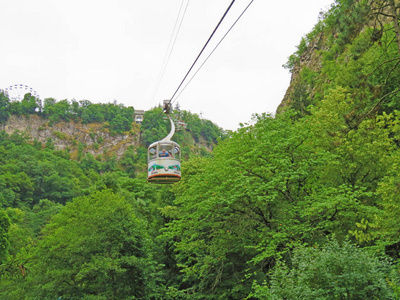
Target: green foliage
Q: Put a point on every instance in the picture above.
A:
(15, 188)
(130, 161)
(120, 124)
(4, 235)
(4, 108)
(330, 272)
(242, 210)
(201, 127)
(94, 247)
(273, 186)
(29, 174)
(300, 97)
(198, 135)
(13, 269)
(60, 135)
(60, 111)
(301, 205)
(347, 50)
(28, 105)
(88, 162)
(153, 128)
(119, 117)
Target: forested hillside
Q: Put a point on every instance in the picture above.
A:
(303, 204)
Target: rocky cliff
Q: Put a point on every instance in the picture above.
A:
(311, 58)
(91, 138)
(355, 43)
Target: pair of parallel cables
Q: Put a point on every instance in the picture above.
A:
(172, 43)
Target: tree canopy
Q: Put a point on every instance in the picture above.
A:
(303, 204)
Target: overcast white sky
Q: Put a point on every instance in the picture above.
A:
(106, 50)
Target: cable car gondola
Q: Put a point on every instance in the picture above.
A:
(164, 157)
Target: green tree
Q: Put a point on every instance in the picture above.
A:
(13, 270)
(48, 107)
(237, 213)
(4, 108)
(4, 243)
(153, 127)
(92, 113)
(61, 111)
(119, 124)
(30, 104)
(94, 247)
(332, 271)
(29, 175)
(16, 189)
(129, 161)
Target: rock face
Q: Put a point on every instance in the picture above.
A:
(91, 138)
(311, 58)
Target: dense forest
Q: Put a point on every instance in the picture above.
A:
(303, 204)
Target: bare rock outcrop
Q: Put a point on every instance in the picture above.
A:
(94, 138)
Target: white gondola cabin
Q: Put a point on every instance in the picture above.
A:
(164, 162)
(164, 159)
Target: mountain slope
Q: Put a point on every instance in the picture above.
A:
(355, 46)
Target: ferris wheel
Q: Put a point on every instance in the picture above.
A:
(17, 92)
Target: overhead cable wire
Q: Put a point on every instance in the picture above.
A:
(169, 52)
(177, 33)
(198, 56)
(202, 50)
(171, 44)
(213, 50)
(212, 34)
